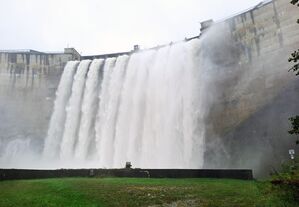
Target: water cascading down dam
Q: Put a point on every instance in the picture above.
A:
(144, 108)
(221, 101)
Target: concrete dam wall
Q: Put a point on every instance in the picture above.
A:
(251, 94)
(248, 118)
(28, 81)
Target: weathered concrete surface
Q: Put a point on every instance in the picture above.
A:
(28, 62)
(253, 93)
(28, 81)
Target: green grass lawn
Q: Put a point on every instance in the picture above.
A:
(138, 192)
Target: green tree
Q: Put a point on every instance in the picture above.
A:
(295, 126)
(295, 2)
(295, 59)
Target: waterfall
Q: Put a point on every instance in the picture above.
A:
(73, 110)
(56, 128)
(146, 108)
(107, 122)
(89, 106)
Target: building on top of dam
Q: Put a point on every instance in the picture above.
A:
(19, 61)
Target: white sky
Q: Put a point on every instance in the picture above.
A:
(106, 26)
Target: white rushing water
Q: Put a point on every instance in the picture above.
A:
(73, 110)
(56, 128)
(89, 107)
(145, 108)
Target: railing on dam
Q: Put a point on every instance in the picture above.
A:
(104, 56)
(111, 55)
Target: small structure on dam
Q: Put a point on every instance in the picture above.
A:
(25, 61)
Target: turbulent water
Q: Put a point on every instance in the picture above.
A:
(145, 108)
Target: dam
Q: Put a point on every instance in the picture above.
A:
(221, 100)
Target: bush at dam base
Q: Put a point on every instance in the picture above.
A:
(140, 192)
(287, 180)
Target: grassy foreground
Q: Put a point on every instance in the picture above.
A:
(138, 192)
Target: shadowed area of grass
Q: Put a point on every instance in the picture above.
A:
(139, 192)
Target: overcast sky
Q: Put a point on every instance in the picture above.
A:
(106, 26)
